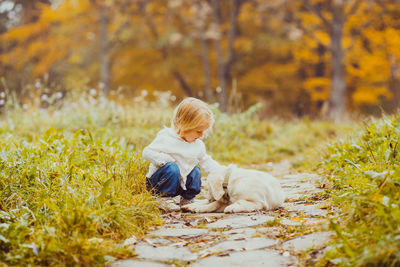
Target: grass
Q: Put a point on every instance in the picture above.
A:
(72, 176)
(244, 139)
(59, 193)
(365, 174)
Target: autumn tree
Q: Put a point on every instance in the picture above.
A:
(293, 56)
(373, 62)
(333, 16)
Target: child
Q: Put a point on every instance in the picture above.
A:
(175, 152)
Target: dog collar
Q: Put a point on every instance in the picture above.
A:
(226, 178)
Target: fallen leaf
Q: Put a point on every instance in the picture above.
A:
(150, 243)
(207, 219)
(224, 254)
(130, 241)
(179, 244)
(298, 219)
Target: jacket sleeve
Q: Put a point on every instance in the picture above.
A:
(154, 152)
(157, 158)
(206, 162)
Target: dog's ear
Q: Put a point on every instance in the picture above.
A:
(215, 180)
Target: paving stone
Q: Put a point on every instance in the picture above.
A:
(180, 232)
(241, 221)
(309, 209)
(206, 215)
(302, 176)
(305, 242)
(237, 244)
(299, 187)
(255, 258)
(157, 241)
(290, 222)
(240, 245)
(240, 233)
(296, 221)
(289, 196)
(136, 263)
(269, 231)
(164, 253)
(315, 221)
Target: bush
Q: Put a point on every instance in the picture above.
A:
(365, 172)
(70, 199)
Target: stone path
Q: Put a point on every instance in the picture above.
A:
(292, 236)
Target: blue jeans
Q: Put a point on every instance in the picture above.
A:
(166, 181)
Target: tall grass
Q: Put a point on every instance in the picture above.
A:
(72, 186)
(244, 138)
(365, 173)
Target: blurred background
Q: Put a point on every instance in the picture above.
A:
(315, 58)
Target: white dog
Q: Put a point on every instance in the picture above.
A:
(233, 189)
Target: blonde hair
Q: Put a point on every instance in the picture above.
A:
(190, 114)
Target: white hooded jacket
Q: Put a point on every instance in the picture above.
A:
(168, 146)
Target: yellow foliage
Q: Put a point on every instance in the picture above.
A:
(372, 66)
(318, 88)
(392, 36)
(322, 37)
(310, 19)
(65, 13)
(248, 12)
(370, 95)
(347, 42)
(244, 44)
(267, 76)
(75, 58)
(259, 78)
(266, 58)
(22, 33)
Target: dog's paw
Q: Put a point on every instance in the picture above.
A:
(231, 209)
(238, 208)
(193, 207)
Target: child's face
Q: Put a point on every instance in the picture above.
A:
(194, 134)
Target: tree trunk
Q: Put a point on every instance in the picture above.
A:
(337, 106)
(231, 57)
(174, 71)
(394, 82)
(219, 56)
(104, 51)
(182, 82)
(206, 68)
(225, 66)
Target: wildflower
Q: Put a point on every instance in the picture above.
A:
(45, 97)
(59, 95)
(219, 89)
(175, 38)
(95, 239)
(144, 92)
(385, 201)
(2, 95)
(2, 102)
(38, 84)
(93, 92)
